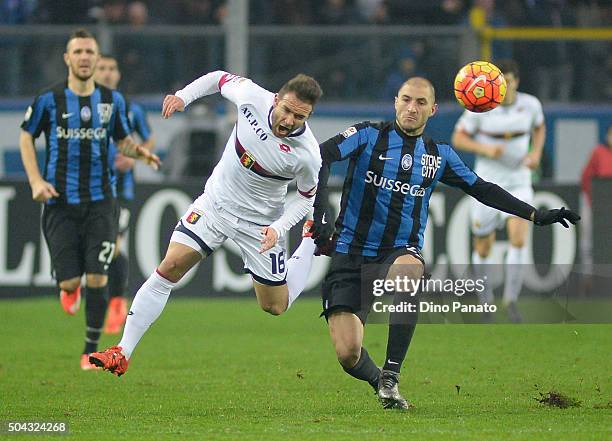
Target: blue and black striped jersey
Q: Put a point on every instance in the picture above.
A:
(77, 131)
(137, 118)
(389, 182)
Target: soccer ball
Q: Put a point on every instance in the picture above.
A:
(480, 86)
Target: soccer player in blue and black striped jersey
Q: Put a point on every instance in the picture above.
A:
(393, 170)
(109, 75)
(78, 118)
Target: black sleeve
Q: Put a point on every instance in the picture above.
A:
(494, 196)
(329, 154)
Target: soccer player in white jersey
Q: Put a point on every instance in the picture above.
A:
(501, 138)
(243, 200)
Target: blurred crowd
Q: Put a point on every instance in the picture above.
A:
(347, 67)
(300, 12)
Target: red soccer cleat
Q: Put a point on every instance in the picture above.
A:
(306, 228)
(117, 313)
(111, 360)
(71, 301)
(86, 365)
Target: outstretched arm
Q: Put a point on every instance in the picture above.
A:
(208, 84)
(457, 174)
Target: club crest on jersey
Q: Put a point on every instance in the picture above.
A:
(350, 131)
(105, 110)
(406, 161)
(193, 217)
(285, 148)
(247, 160)
(85, 113)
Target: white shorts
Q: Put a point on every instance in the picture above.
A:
(205, 226)
(484, 219)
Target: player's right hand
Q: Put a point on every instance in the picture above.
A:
(494, 151)
(42, 191)
(172, 103)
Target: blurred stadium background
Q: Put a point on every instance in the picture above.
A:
(360, 51)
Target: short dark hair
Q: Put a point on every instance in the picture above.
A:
(421, 80)
(80, 33)
(109, 56)
(306, 89)
(508, 67)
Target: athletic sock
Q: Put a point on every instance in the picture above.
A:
(365, 369)
(515, 259)
(147, 306)
(118, 272)
(482, 271)
(96, 300)
(298, 268)
(401, 329)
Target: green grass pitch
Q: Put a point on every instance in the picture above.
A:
(223, 369)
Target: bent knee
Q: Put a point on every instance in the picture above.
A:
(517, 242)
(348, 356)
(171, 270)
(273, 308)
(70, 285)
(483, 246)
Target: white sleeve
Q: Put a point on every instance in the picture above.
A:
(228, 84)
(294, 212)
(538, 114)
(306, 179)
(468, 122)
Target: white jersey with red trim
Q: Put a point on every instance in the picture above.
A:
(250, 181)
(508, 125)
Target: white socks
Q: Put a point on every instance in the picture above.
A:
(513, 283)
(148, 304)
(298, 268)
(482, 270)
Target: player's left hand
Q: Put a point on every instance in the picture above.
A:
(148, 157)
(561, 215)
(270, 237)
(532, 160)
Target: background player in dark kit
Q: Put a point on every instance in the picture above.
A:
(79, 218)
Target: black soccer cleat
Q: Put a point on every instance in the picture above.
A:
(388, 392)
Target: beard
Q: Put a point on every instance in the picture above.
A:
(75, 73)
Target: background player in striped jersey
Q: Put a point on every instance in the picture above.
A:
(243, 200)
(79, 218)
(501, 138)
(393, 169)
(108, 74)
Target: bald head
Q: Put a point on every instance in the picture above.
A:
(420, 82)
(415, 103)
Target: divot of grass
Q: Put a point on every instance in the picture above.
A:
(558, 399)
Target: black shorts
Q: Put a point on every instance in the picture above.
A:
(342, 287)
(81, 237)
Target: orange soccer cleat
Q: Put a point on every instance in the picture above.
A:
(306, 228)
(117, 313)
(112, 360)
(86, 365)
(71, 301)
